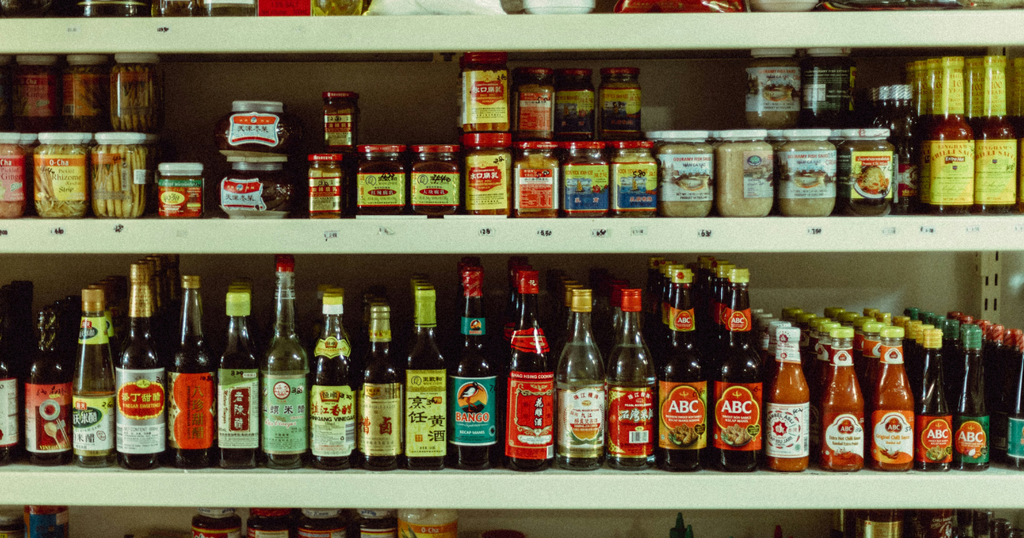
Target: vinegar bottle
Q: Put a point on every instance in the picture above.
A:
(48, 397)
(238, 388)
(191, 410)
(788, 407)
(332, 405)
(892, 416)
(580, 384)
(842, 409)
(93, 387)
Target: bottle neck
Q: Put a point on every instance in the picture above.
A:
(629, 332)
(993, 97)
(737, 322)
(527, 311)
(238, 332)
(284, 326)
(139, 328)
(579, 327)
(140, 301)
(191, 317)
(681, 310)
(331, 325)
(949, 97)
(473, 322)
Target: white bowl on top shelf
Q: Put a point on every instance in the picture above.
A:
(558, 7)
(783, 5)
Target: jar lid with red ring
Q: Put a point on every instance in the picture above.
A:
(635, 71)
(583, 145)
(325, 157)
(537, 145)
(435, 148)
(487, 140)
(632, 144)
(340, 95)
(381, 148)
(542, 71)
(499, 58)
(574, 72)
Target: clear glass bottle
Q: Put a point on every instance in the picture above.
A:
(93, 387)
(425, 392)
(238, 387)
(630, 380)
(579, 382)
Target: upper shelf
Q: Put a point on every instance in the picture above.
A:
(521, 33)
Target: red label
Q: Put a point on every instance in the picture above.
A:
(682, 414)
(190, 414)
(630, 422)
(680, 320)
(934, 439)
(530, 341)
(531, 415)
(736, 321)
(842, 443)
(239, 414)
(241, 187)
(872, 348)
(488, 93)
(737, 416)
(233, 532)
(892, 436)
(283, 8)
(484, 178)
(35, 95)
(891, 354)
(141, 400)
(48, 417)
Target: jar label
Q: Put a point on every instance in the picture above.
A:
(995, 172)
(35, 95)
(324, 191)
(586, 188)
(970, 443)
(338, 130)
(238, 412)
(682, 415)
(432, 189)
(620, 110)
(48, 525)
(94, 331)
(191, 412)
(285, 415)
(242, 194)
(8, 412)
(141, 422)
(48, 417)
(253, 128)
(93, 424)
(322, 533)
(870, 175)
(84, 94)
(535, 188)
(773, 89)
(737, 423)
(807, 174)
(788, 430)
(472, 407)
(381, 190)
(908, 181)
(12, 178)
(952, 174)
(111, 176)
(484, 97)
(180, 197)
(842, 443)
(332, 421)
(60, 178)
(826, 89)
(892, 436)
(425, 413)
(934, 439)
(581, 422)
(890, 354)
(380, 416)
(233, 532)
(686, 178)
(531, 413)
(446, 530)
(1015, 438)
(536, 111)
(574, 112)
(487, 182)
(757, 174)
(391, 532)
(635, 186)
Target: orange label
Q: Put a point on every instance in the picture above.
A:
(934, 439)
(447, 530)
(891, 355)
(680, 320)
(190, 413)
(737, 416)
(892, 436)
(736, 321)
(871, 348)
(971, 439)
(682, 415)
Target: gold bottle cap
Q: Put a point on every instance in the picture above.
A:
(804, 317)
(870, 312)
(190, 282)
(139, 273)
(582, 300)
(93, 300)
(789, 314)
(912, 328)
(568, 292)
(682, 275)
(884, 318)
(666, 267)
(739, 276)
(706, 262)
(723, 269)
(933, 339)
(900, 321)
(653, 261)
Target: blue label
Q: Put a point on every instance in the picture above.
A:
(1015, 438)
(474, 326)
(48, 525)
(586, 187)
(472, 403)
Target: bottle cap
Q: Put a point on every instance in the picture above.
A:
(631, 300)
(681, 275)
(665, 268)
(654, 262)
(966, 320)
(870, 312)
(996, 333)
(900, 321)
(815, 324)
(1013, 338)
(885, 318)
(581, 300)
(847, 318)
(138, 273)
(955, 314)
(569, 288)
(216, 513)
(190, 282)
(321, 513)
(615, 292)
(951, 329)
(237, 304)
(970, 335)
(892, 332)
(739, 276)
(334, 296)
(983, 324)
(789, 314)
(93, 300)
(339, 95)
(913, 329)
(528, 282)
(833, 312)
(826, 328)
(933, 338)
(841, 332)
(722, 270)
(859, 321)
(912, 312)
(872, 327)
(285, 263)
(804, 318)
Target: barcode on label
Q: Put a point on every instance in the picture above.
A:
(350, 432)
(639, 437)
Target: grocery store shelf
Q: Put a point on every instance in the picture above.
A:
(595, 32)
(459, 235)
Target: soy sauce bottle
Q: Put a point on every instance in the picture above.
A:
(934, 446)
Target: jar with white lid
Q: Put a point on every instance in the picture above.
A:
(776, 138)
(12, 176)
(136, 93)
(120, 175)
(806, 165)
(743, 174)
(773, 89)
(61, 175)
(180, 190)
(686, 164)
(865, 172)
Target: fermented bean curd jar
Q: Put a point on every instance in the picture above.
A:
(743, 174)
(866, 164)
(435, 178)
(62, 175)
(86, 93)
(633, 179)
(533, 103)
(257, 128)
(574, 104)
(584, 189)
(488, 172)
(685, 174)
(12, 176)
(325, 185)
(536, 172)
(341, 121)
(219, 522)
(180, 190)
(120, 175)
(380, 181)
(137, 93)
(773, 89)
(36, 96)
(485, 92)
(806, 166)
(618, 104)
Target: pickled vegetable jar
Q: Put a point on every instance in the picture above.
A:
(62, 175)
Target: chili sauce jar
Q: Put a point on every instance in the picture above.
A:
(485, 92)
(434, 180)
(216, 522)
(584, 188)
(180, 190)
(341, 121)
(536, 171)
(533, 103)
(325, 180)
(488, 173)
(633, 179)
(619, 104)
(574, 105)
(380, 180)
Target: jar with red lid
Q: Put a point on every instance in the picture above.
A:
(535, 171)
(533, 103)
(381, 180)
(216, 523)
(485, 92)
(633, 179)
(36, 95)
(574, 105)
(270, 523)
(584, 187)
(326, 177)
(619, 104)
(341, 121)
(434, 179)
(488, 173)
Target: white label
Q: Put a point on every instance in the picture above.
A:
(244, 194)
(814, 93)
(253, 128)
(93, 424)
(893, 435)
(808, 174)
(686, 178)
(757, 174)
(238, 412)
(581, 419)
(788, 430)
(773, 89)
(141, 177)
(8, 412)
(141, 420)
(845, 434)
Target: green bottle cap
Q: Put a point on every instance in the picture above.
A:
(951, 329)
(237, 304)
(971, 336)
(912, 312)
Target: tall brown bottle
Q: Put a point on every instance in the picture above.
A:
(950, 144)
(380, 397)
(995, 144)
(48, 397)
(933, 449)
(191, 414)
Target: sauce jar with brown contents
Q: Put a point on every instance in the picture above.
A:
(219, 522)
(533, 103)
(574, 105)
(36, 95)
(488, 173)
(866, 166)
(584, 188)
(434, 180)
(257, 190)
(618, 103)
(485, 92)
(536, 180)
(325, 180)
(806, 171)
(380, 180)
(341, 121)
(256, 128)
(773, 89)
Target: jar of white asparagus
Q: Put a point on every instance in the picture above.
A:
(120, 175)
(62, 175)
(136, 93)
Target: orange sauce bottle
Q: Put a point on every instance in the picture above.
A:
(788, 407)
(842, 409)
(892, 418)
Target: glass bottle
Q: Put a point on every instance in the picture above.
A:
(630, 380)
(892, 415)
(952, 365)
(140, 378)
(438, 523)
(380, 398)
(934, 447)
(378, 523)
(425, 392)
(93, 387)
(9, 411)
(332, 398)
(950, 144)
(788, 407)
(191, 424)
(48, 396)
(842, 409)
(238, 388)
(580, 384)
(971, 419)
(998, 378)
(902, 127)
(1013, 403)
(284, 370)
(995, 151)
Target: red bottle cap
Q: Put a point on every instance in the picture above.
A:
(487, 140)
(537, 145)
(573, 72)
(615, 293)
(325, 157)
(995, 333)
(632, 144)
(270, 512)
(984, 324)
(381, 148)
(528, 281)
(631, 300)
(437, 148)
(473, 281)
(285, 263)
(340, 95)
(635, 71)
(966, 320)
(484, 58)
(583, 145)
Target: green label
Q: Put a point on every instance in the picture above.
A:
(381, 190)
(474, 326)
(1015, 438)
(180, 183)
(92, 421)
(970, 442)
(238, 408)
(284, 414)
(94, 331)
(473, 410)
(425, 422)
(332, 420)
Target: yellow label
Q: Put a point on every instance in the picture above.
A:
(975, 87)
(381, 190)
(60, 177)
(380, 419)
(995, 172)
(337, 129)
(949, 96)
(485, 97)
(487, 181)
(994, 91)
(324, 190)
(94, 331)
(435, 189)
(331, 347)
(871, 175)
(952, 172)
(425, 413)
(924, 176)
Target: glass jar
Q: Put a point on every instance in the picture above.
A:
(219, 522)
(331, 8)
(6, 121)
(743, 174)
(434, 179)
(488, 173)
(36, 95)
(12, 524)
(378, 523)
(866, 166)
(574, 105)
(776, 138)
(618, 104)
(439, 523)
(50, 521)
(536, 180)
(533, 103)
(584, 188)
(806, 169)
(773, 89)
(633, 179)
(341, 121)
(255, 129)
(321, 523)
(229, 8)
(119, 175)
(685, 174)
(269, 523)
(136, 93)
(325, 180)
(381, 180)
(178, 8)
(257, 190)
(485, 92)
(25, 8)
(827, 85)
(61, 175)
(86, 93)
(113, 8)
(180, 190)
(12, 176)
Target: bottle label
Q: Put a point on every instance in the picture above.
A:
(260, 533)
(574, 112)
(425, 409)
(238, 409)
(773, 89)
(338, 130)
(620, 110)
(581, 417)
(94, 331)
(586, 188)
(435, 189)
(472, 408)
(952, 172)
(1015, 438)
(322, 533)
(630, 422)
(242, 194)
(8, 412)
(934, 439)
(446, 530)
(635, 186)
(141, 423)
(686, 178)
(998, 430)
(180, 197)
(48, 417)
(190, 413)
(324, 191)
(66, 179)
(93, 425)
(12, 178)
(48, 525)
(332, 348)
(381, 190)
(484, 97)
(757, 174)
(971, 439)
(285, 415)
(234, 532)
(737, 416)
(380, 415)
(890, 354)
(535, 188)
(530, 340)
(842, 443)
(892, 440)
(474, 326)
(995, 172)
(841, 357)
(253, 128)
(531, 413)
(871, 347)
(681, 320)
(80, 90)
(682, 415)
(535, 111)
(788, 435)
(487, 182)
(807, 174)
(736, 321)
(825, 89)
(907, 180)
(332, 420)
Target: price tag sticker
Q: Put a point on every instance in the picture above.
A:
(891, 230)
(600, 232)
(814, 231)
(638, 231)
(330, 234)
(384, 230)
(3, 233)
(487, 232)
(57, 231)
(974, 228)
(545, 233)
(928, 230)
(74, 29)
(704, 233)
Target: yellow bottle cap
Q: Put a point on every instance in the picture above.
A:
(885, 318)
(870, 312)
(826, 327)
(900, 321)
(568, 292)
(859, 321)
(582, 300)
(93, 300)
(190, 282)
(816, 323)
(682, 275)
(804, 318)
(723, 270)
(666, 268)
(841, 332)
(706, 262)
(652, 262)
(334, 296)
(872, 327)
(739, 276)
(933, 339)
(789, 314)
(847, 318)
(912, 328)
(237, 303)
(833, 312)
(892, 332)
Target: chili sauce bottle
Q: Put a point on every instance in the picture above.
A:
(332, 402)
(630, 380)
(892, 415)
(425, 408)
(380, 398)
(842, 409)
(950, 144)
(995, 145)
(580, 383)
(238, 388)
(93, 390)
(787, 405)
(48, 417)
(934, 447)
(971, 419)
(818, 381)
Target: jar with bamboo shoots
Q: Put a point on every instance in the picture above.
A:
(120, 175)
